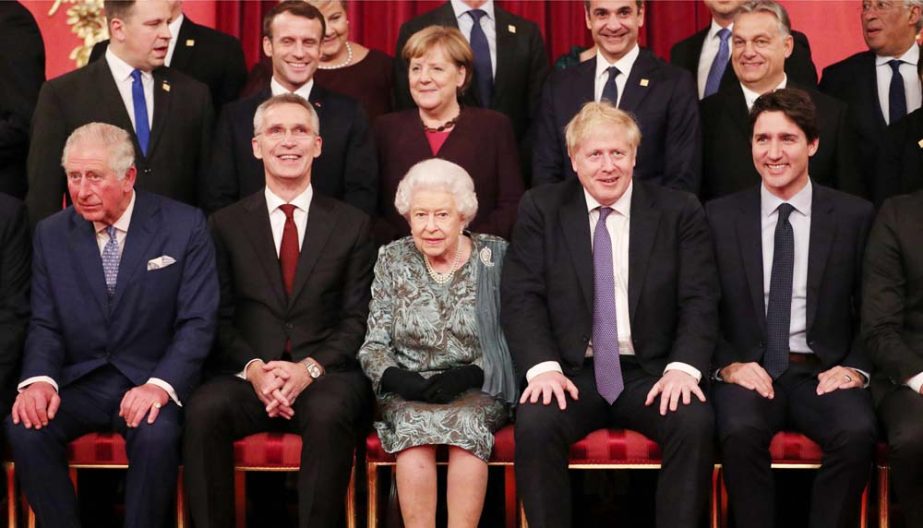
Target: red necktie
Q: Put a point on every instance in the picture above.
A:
(288, 250)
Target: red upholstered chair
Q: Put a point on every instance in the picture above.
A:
(90, 451)
(502, 455)
(884, 474)
(790, 450)
(274, 452)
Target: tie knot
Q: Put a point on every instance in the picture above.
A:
(476, 14)
(136, 75)
(613, 72)
(289, 210)
(724, 34)
(604, 212)
(895, 65)
(785, 210)
(110, 230)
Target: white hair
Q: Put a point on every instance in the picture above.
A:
(117, 142)
(437, 174)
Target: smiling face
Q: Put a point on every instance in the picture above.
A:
(337, 26)
(435, 223)
(294, 48)
(287, 144)
(759, 51)
(604, 160)
(781, 153)
(435, 80)
(888, 26)
(142, 38)
(614, 25)
(95, 189)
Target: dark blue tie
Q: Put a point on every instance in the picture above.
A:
(606, 365)
(610, 90)
(713, 81)
(142, 126)
(482, 65)
(779, 311)
(897, 101)
(110, 258)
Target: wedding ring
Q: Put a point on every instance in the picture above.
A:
(156, 405)
(848, 379)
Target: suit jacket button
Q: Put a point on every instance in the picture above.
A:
(289, 326)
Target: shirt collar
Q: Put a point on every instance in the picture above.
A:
(621, 206)
(120, 69)
(302, 201)
(801, 201)
(750, 96)
(911, 56)
(460, 8)
(123, 222)
(624, 64)
(304, 90)
(714, 28)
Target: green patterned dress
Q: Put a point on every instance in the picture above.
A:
(419, 325)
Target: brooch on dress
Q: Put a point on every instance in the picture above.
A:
(486, 257)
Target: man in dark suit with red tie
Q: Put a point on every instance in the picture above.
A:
(296, 270)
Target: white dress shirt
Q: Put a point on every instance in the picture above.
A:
(602, 75)
(102, 238)
(710, 48)
(912, 87)
(174, 34)
(302, 204)
(488, 24)
(618, 224)
(121, 72)
(304, 90)
(750, 96)
(916, 382)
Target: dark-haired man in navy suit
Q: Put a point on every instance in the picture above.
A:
(124, 304)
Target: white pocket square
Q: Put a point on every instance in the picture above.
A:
(160, 262)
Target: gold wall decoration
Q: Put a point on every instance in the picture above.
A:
(87, 21)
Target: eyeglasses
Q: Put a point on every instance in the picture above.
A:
(278, 133)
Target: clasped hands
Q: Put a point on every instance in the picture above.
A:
(277, 384)
(440, 388)
(674, 386)
(38, 403)
(754, 377)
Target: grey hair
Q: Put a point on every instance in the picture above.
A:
(287, 98)
(117, 142)
(773, 8)
(437, 174)
(910, 4)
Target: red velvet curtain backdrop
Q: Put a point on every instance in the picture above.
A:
(375, 23)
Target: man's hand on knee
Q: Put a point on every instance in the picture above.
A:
(267, 384)
(675, 385)
(36, 405)
(142, 400)
(550, 385)
(750, 376)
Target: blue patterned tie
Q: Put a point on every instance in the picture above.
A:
(482, 64)
(606, 365)
(719, 65)
(610, 90)
(142, 126)
(111, 260)
(779, 311)
(897, 100)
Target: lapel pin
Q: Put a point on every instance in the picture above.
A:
(317, 104)
(644, 82)
(190, 43)
(920, 143)
(511, 28)
(165, 86)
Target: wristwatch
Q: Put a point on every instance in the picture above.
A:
(313, 368)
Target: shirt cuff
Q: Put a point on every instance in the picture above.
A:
(243, 373)
(866, 375)
(915, 382)
(684, 367)
(167, 387)
(34, 379)
(541, 368)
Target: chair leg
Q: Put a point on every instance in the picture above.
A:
(351, 497)
(723, 500)
(371, 480)
(523, 522)
(240, 499)
(10, 468)
(509, 490)
(864, 507)
(884, 502)
(714, 509)
(180, 500)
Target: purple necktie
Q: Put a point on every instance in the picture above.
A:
(605, 332)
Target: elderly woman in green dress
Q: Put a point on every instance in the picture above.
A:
(434, 349)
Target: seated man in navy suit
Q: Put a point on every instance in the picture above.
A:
(124, 303)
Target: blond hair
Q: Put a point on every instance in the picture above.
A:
(451, 41)
(594, 115)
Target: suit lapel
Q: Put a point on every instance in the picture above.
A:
(321, 224)
(506, 47)
(182, 53)
(750, 242)
(83, 244)
(642, 231)
(639, 82)
(736, 109)
(108, 91)
(145, 223)
(584, 85)
(868, 84)
(162, 102)
(575, 225)
(258, 231)
(823, 232)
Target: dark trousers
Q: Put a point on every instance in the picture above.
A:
(901, 412)
(330, 415)
(544, 434)
(841, 422)
(91, 404)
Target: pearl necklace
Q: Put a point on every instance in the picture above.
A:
(442, 278)
(347, 62)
